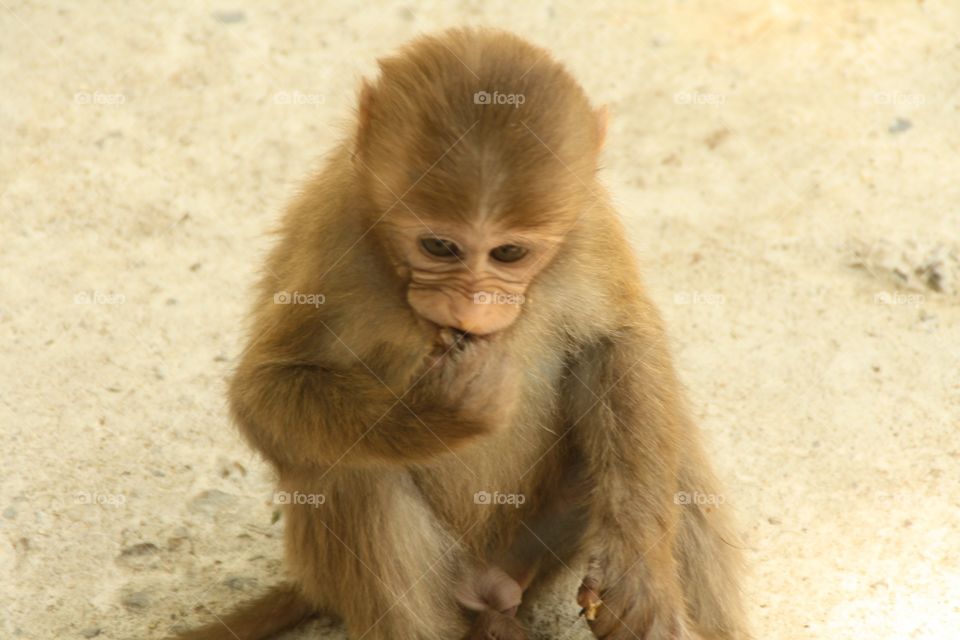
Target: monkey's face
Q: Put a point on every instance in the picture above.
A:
(471, 278)
(472, 200)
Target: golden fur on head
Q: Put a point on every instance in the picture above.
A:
(474, 123)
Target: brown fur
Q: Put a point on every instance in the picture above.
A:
(280, 608)
(575, 405)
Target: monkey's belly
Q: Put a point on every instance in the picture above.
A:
(481, 493)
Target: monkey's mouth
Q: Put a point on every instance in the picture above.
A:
(453, 338)
(460, 335)
(462, 338)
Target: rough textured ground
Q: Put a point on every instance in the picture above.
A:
(789, 171)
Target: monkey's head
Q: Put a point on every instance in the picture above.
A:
(477, 153)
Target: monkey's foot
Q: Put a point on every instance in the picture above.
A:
(493, 625)
(614, 615)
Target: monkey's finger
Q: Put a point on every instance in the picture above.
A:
(606, 625)
(588, 597)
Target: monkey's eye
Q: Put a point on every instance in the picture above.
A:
(440, 248)
(508, 253)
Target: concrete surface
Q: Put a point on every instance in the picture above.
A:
(789, 171)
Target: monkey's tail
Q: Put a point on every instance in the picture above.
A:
(280, 608)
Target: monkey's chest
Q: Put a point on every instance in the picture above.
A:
(499, 477)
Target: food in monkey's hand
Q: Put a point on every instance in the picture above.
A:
(590, 613)
(454, 338)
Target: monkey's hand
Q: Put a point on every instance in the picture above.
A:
(620, 604)
(477, 378)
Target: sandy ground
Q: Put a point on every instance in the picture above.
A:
(789, 172)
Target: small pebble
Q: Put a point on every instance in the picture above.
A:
(212, 501)
(142, 549)
(900, 125)
(238, 583)
(136, 600)
(229, 17)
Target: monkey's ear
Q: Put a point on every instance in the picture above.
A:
(364, 115)
(603, 117)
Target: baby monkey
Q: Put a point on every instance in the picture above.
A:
(485, 399)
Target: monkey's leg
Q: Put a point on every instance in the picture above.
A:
(709, 561)
(374, 553)
(630, 423)
(661, 566)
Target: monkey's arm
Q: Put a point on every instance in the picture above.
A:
(629, 419)
(302, 416)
